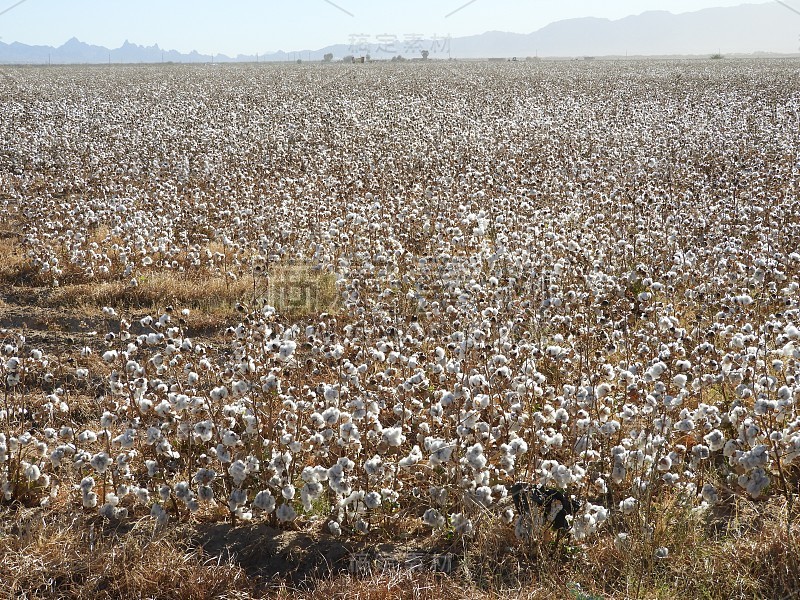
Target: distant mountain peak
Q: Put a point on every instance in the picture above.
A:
(744, 29)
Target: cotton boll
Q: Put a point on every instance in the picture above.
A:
(372, 500)
(715, 440)
(286, 513)
(628, 506)
(89, 500)
(393, 436)
(475, 458)
(264, 501)
(709, 494)
(484, 495)
(334, 528)
(31, 472)
(100, 462)
(288, 492)
(238, 471)
(461, 524)
(433, 518)
(413, 458)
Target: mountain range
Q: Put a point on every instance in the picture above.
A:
(745, 29)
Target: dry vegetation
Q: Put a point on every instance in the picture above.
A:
(257, 319)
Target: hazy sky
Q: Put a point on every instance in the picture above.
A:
(250, 26)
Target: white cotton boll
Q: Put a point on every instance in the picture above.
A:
(330, 416)
(374, 466)
(679, 381)
(100, 462)
(413, 458)
(161, 515)
(334, 528)
(265, 501)
(56, 456)
(609, 428)
(372, 500)
(205, 493)
(461, 524)
(518, 446)
(622, 542)
(238, 471)
(125, 440)
(433, 518)
(475, 457)
(164, 491)
(87, 437)
(481, 401)
(755, 483)
(715, 440)
(393, 436)
(32, 472)
(288, 492)
(331, 394)
(204, 430)
(286, 513)
(709, 494)
(152, 468)
(142, 495)
(441, 452)
(484, 495)
(600, 486)
(230, 438)
(628, 506)
(286, 350)
(218, 394)
(757, 457)
(309, 475)
(89, 500)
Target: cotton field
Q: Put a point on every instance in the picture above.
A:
(577, 278)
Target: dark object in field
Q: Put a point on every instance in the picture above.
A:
(524, 494)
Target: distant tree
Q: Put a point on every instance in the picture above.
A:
(349, 59)
(425, 54)
(328, 57)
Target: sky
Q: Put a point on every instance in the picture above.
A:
(258, 26)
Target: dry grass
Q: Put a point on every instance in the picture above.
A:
(393, 585)
(739, 550)
(155, 290)
(300, 290)
(67, 556)
(15, 268)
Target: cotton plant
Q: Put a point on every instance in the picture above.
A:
(569, 323)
